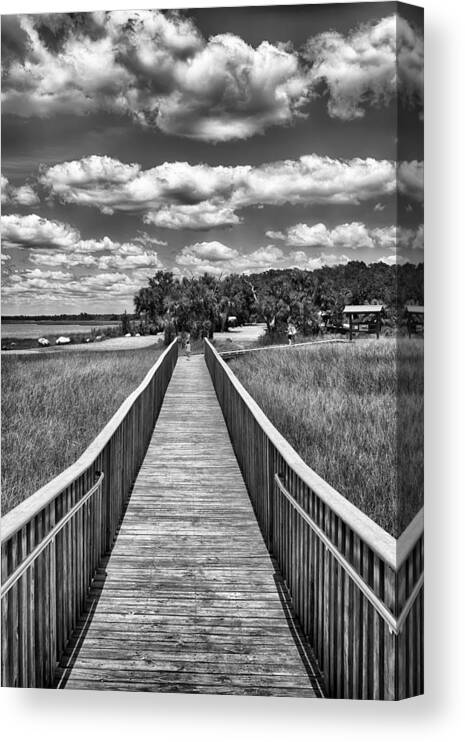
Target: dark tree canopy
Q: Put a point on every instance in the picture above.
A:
(202, 304)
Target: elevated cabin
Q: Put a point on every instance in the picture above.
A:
(415, 319)
(363, 318)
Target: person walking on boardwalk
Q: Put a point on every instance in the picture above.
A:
(291, 333)
(188, 346)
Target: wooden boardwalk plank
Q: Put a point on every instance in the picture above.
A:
(189, 600)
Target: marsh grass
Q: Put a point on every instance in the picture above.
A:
(354, 413)
(54, 405)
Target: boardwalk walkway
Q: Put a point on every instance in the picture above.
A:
(189, 600)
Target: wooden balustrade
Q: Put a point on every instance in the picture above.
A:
(357, 591)
(53, 542)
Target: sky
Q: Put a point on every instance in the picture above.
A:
(213, 140)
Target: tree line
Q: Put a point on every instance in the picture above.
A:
(204, 304)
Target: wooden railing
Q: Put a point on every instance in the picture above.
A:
(357, 591)
(53, 542)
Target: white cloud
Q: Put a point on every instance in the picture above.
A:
(300, 259)
(206, 215)
(33, 231)
(157, 68)
(128, 262)
(40, 236)
(144, 238)
(21, 196)
(353, 236)
(206, 252)
(368, 67)
(178, 195)
(393, 260)
(216, 258)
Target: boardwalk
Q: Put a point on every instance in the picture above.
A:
(189, 599)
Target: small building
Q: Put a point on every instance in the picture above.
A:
(363, 318)
(415, 319)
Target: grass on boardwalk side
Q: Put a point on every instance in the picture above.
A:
(355, 415)
(54, 405)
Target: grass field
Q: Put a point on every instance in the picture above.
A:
(354, 413)
(53, 406)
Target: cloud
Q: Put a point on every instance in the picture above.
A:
(393, 260)
(21, 196)
(303, 261)
(353, 236)
(157, 68)
(178, 195)
(206, 251)
(369, 66)
(144, 238)
(33, 231)
(216, 258)
(58, 244)
(410, 177)
(59, 287)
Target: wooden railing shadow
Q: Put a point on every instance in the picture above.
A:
(301, 642)
(77, 639)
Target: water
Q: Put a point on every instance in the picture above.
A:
(43, 329)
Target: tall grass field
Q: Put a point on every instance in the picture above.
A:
(53, 406)
(354, 413)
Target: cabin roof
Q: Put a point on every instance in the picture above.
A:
(415, 309)
(362, 308)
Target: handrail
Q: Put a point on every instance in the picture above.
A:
(30, 559)
(17, 518)
(381, 542)
(394, 624)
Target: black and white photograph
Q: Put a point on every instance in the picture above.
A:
(212, 350)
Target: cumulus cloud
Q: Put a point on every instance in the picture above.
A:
(59, 287)
(369, 66)
(216, 258)
(353, 236)
(178, 195)
(54, 243)
(157, 68)
(206, 251)
(303, 261)
(33, 231)
(23, 195)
